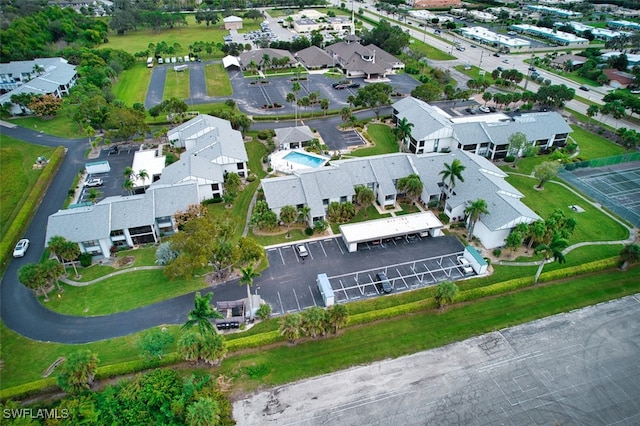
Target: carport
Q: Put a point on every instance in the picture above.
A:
(398, 226)
(230, 61)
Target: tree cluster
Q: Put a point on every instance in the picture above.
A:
(391, 39)
(314, 322)
(263, 218)
(375, 96)
(340, 212)
(33, 36)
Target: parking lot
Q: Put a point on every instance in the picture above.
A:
(112, 181)
(289, 285)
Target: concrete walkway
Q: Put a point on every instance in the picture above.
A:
(632, 231)
(113, 274)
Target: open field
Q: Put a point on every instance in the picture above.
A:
(133, 84)
(17, 176)
(594, 146)
(60, 126)
(384, 139)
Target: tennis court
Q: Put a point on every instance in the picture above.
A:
(615, 186)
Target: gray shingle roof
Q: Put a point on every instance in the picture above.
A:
(427, 120)
(80, 224)
(314, 57)
(351, 55)
(287, 135)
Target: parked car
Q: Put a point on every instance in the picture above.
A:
(505, 61)
(585, 88)
(497, 55)
(114, 149)
(464, 265)
(532, 68)
(353, 85)
(94, 182)
(302, 250)
(160, 60)
(460, 48)
(340, 86)
(383, 283)
(484, 109)
(473, 45)
(500, 69)
(437, 31)
(470, 110)
(341, 83)
(21, 248)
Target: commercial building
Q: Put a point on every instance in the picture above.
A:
(563, 13)
(370, 61)
(436, 4)
(232, 23)
(500, 41)
(558, 37)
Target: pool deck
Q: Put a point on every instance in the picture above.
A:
(282, 165)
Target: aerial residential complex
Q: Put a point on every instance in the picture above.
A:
(213, 149)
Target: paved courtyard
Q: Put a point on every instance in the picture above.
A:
(579, 368)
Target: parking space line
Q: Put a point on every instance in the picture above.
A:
(312, 298)
(281, 304)
(281, 256)
(344, 290)
(323, 250)
(296, 297)
(402, 277)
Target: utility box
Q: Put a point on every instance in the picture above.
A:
(476, 261)
(325, 290)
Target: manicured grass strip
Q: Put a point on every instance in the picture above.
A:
(384, 139)
(593, 225)
(217, 80)
(410, 334)
(121, 293)
(133, 84)
(176, 85)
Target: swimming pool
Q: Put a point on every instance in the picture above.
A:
(304, 159)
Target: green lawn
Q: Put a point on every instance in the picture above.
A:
(384, 139)
(297, 234)
(122, 293)
(176, 85)
(217, 80)
(593, 225)
(474, 73)
(17, 176)
(594, 146)
(60, 126)
(133, 84)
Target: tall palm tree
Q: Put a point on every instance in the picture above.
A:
(553, 249)
(314, 321)
(450, 173)
(53, 270)
(288, 215)
(345, 114)
(365, 197)
(70, 252)
(303, 213)
(324, 105)
(337, 316)
(128, 185)
(78, 371)
(56, 245)
(403, 130)
(474, 210)
(248, 274)
(411, 185)
(142, 174)
(201, 314)
(265, 61)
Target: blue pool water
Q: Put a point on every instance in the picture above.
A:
(304, 159)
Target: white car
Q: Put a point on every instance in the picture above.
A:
(484, 109)
(302, 250)
(91, 183)
(464, 264)
(21, 248)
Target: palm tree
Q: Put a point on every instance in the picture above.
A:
(536, 232)
(70, 252)
(553, 249)
(201, 314)
(364, 197)
(324, 105)
(248, 274)
(128, 185)
(314, 321)
(53, 270)
(345, 114)
(128, 172)
(288, 215)
(93, 195)
(592, 111)
(403, 130)
(446, 292)
(78, 371)
(351, 99)
(474, 210)
(265, 62)
(56, 244)
(450, 173)
(303, 213)
(33, 277)
(142, 174)
(291, 97)
(411, 185)
(337, 317)
(291, 327)
(629, 254)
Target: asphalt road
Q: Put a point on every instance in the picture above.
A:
(579, 368)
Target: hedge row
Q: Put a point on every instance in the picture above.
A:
(28, 209)
(585, 268)
(29, 389)
(493, 289)
(391, 312)
(134, 366)
(254, 341)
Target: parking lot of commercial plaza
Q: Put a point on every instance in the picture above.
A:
(289, 284)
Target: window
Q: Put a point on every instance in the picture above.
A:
(343, 199)
(117, 233)
(91, 243)
(436, 143)
(215, 187)
(240, 166)
(325, 202)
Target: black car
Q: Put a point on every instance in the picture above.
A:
(114, 149)
(497, 55)
(353, 85)
(585, 88)
(383, 283)
(341, 83)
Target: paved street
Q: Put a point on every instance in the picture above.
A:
(579, 368)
